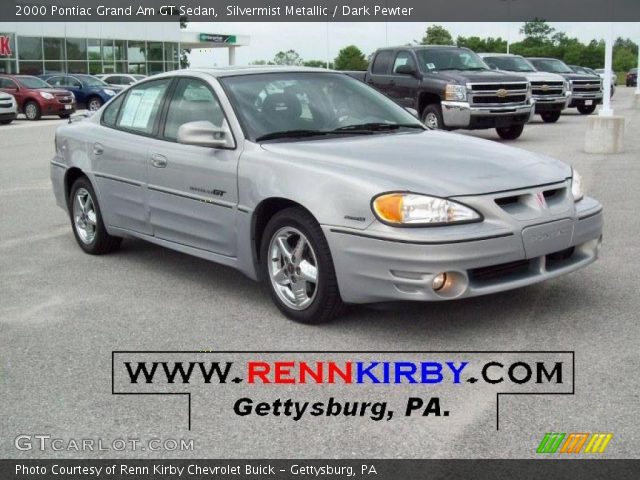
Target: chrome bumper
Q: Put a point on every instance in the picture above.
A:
(462, 114)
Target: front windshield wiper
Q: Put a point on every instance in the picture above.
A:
(376, 127)
(290, 134)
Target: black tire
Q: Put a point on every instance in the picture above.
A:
(102, 242)
(550, 117)
(32, 110)
(6, 122)
(432, 117)
(97, 101)
(327, 303)
(510, 133)
(586, 109)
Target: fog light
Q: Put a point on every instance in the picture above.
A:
(439, 281)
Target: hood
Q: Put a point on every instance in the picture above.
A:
(5, 96)
(543, 77)
(432, 162)
(53, 91)
(480, 76)
(579, 76)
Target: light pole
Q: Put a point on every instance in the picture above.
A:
(606, 110)
(638, 70)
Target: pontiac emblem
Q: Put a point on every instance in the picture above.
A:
(502, 93)
(542, 202)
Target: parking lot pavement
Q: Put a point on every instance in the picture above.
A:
(62, 313)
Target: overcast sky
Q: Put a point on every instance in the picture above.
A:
(310, 39)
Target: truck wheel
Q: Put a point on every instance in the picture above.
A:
(586, 109)
(297, 264)
(550, 117)
(432, 117)
(510, 133)
(86, 220)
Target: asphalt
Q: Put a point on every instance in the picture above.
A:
(62, 313)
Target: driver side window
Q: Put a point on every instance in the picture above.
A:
(403, 58)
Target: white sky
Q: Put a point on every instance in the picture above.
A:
(310, 39)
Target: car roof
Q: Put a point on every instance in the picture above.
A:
(248, 70)
(499, 55)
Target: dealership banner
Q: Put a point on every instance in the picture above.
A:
(319, 10)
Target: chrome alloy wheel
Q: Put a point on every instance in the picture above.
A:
(431, 121)
(293, 268)
(31, 111)
(84, 216)
(94, 105)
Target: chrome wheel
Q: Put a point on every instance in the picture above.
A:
(431, 121)
(31, 111)
(293, 268)
(84, 216)
(94, 104)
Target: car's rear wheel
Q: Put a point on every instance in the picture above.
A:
(297, 264)
(432, 117)
(86, 220)
(510, 133)
(32, 111)
(550, 117)
(586, 109)
(94, 104)
(5, 122)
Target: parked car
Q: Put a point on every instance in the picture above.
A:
(121, 79)
(35, 97)
(614, 77)
(549, 90)
(320, 185)
(8, 108)
(586, 91)
(90, 92)
(632, 78)
(594, 73)
(451, 87)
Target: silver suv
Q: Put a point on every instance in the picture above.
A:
(320, 185)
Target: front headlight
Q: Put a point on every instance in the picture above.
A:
(109, 92)
(46, 95)
(456, 93)
(412, 209)
(576, 186)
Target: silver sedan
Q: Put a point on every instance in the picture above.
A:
(321, 186)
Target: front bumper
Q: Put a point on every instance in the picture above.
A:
(57, 108)
(372, 268)
(464, 115)
(582, 99)
(551, 104)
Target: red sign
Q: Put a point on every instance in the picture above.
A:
(5, 46)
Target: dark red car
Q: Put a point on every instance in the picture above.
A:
(36, 97)
(632, 78)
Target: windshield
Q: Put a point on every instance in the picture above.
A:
(510, 64)
(90, 81)
(432, 59)
(33, 82)
(139, 77)
(551, 65)
(298, 104)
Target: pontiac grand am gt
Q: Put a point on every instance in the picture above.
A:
(320, 185)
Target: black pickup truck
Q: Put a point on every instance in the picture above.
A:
(451, 87)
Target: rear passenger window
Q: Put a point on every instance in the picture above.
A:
(141, 106)
(381, 62)
(192, 101)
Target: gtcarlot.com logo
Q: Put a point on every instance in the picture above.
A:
(574, 443)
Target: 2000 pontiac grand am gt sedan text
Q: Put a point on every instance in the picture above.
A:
(320, 185)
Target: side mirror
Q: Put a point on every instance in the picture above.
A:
(205, 134)
(413, 112)
(406, 70)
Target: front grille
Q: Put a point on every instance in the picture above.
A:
(495, 99)
(586, 86)
(558, 259)
(551, 84)
(548, 92)
(5, 105)
(491, 87)
(63, 98)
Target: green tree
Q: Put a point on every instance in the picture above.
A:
(437, 35)
(350, 58)
(290, 58)
(537, 32)
(315, 63)
(485, 45)
(262, 62)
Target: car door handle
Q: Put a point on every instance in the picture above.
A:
(98, 149)
(158, 161)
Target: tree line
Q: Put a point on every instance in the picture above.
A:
(540, 40)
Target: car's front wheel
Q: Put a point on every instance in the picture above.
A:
(94, 104)
(550, 117)
(86, 220)
(432, 117)
(297, 264)
(510, 133)
(586, 109)
(32, 111)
